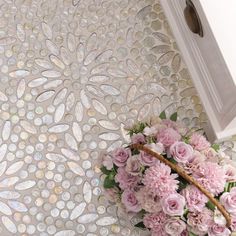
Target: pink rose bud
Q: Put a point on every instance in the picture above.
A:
(120, 156)
(181, 152)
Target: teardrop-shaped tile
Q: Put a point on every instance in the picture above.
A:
(57, 62)
(3, 150)
(28, 127)
(87, 192)
(59, 113)
(25, 185)
(76, 168)
(21, 88)
(70, 101)
(52, 47)
(37, 82)
(77, 132)
(58, 128)
(20, 32)
(19, 73)
(78, 211)
(6, 130)
(84, 99)
(3, 97)
(109, 136)
(60, 96)
(88, 218)
(80, 52)
(17, 206)
(47, 30)
(10, 226)
(71, 42)
(107, 220)
(99, 107)
(70, 154)
(14, 167)
(45, 96)
(71, 142)
(55, 157)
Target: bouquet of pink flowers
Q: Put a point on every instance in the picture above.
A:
(162, 198)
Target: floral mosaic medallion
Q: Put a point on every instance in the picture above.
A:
(72, 75)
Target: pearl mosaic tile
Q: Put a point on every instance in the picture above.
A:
(73, 73)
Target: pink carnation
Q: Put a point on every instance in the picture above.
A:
(228, 200)
(130, 201)
(155, 220)
(148, 201)
(195, 199)
(211, 176)
(159, 180)
(173, 204)
(168, 136)
(181, 152)
(120, 156)
(218, 230)
(199, 142)
(125, 179)
(138, 138)
(200, 222)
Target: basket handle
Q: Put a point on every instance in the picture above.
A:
(187, 177)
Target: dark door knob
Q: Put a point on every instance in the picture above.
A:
(192, 18)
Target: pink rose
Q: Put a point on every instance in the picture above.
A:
(195, 199)
(155, 220)
(125, 179)
(130, 201)
(149, 202)
(218, 230)
(107, 161)
(230, 172)
(200, 222)
(233, 223)
(174, 226)
(146, 159)
(168, 136)
(181, 152)
(133, 165)
(120, 156)
(228, 200)
(138, 138)
(173, 204)
(199, 142)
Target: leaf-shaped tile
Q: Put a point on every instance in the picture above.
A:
(165, 58)
(8, 182)
(37, 82)
(161, 37)
(108, 125)
(19, 73)
(7, 40)
(55, 157)
(25, 185)
(47, 30)
(51, 73)
(144, 112)
(104, 56)
(109, 136)
(52, 47)
(14, 167)
(98, 78)
(91, 42)
(129, 37)
(20, 32)
(17, 206)
(9, 195)
(100, 68)
(53, 84)
(116, 72)
(88, 218)
(70, 101)
(87, 192)
(21, 88)
(59, 113)
(90, 57)
(3, 150)
(143, 99)
(58, 128)
(43, 63)
(176, 62)
(114, 146)
(78, 211)
(6, 130)
(110, 89)
(71, 142)
(70, 154)
(64, 55)
(29, 127)
(76, 168)
(65, 233)
(3, 97)
(3, 166)
(98, 106)
(84, 99)
(131, 93)
(79, 111)
(71, 42)
(80, 53)
(57, 61)
(77, 132)
(132, 66)
(105, 221)
(10, 226)
(94, 91)
(60, 96)
(44, 96)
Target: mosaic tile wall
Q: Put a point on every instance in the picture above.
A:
(73, 74)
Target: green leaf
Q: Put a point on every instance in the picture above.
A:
(216, 147)
(192, 234)
(210, 205)
(109, 183)
(174, 116)
(163, 115)
(185, 213)
(140, 225)
(105, 170)
(229, 186)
